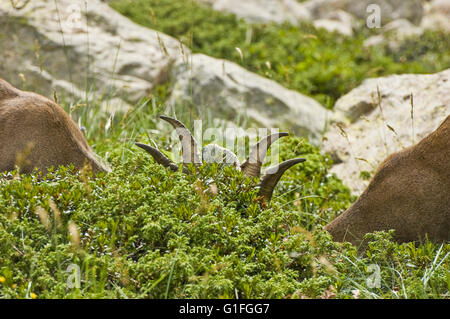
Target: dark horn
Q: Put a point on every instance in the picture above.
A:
(187, 143)
(253, 163)
(158, 156)
(273, 175)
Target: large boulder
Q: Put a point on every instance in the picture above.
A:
(366, 129)
(82, 48)
(228, 91)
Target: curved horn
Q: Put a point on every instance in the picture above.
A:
(188, 143)
(273, 175)
(158, 156)
(253, 163)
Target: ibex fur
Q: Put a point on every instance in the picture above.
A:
(410, 192)
(37, 133)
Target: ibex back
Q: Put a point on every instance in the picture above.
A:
(37, 133)
(410, 192)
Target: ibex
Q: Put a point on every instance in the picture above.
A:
(37, 133)
(214, 153)
(410, 192)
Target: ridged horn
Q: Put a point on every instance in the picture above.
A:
(252, 165)
(273, 175)
(188, 143)
(158, 156)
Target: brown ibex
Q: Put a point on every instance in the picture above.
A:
(410, 192)
(37, 133)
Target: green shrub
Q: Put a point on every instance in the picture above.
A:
(145, 231)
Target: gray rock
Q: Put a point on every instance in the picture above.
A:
(437, 15)
(82, 46)
(262, 10)
(411, 10)
(229, 91)
(339, 21)
(363, 133)
(393, 33)
(333, 15)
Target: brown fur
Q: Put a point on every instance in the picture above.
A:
(410, 192)
(37, 133)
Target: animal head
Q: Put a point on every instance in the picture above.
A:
(214, 153)
(37, 133)
(410, 192)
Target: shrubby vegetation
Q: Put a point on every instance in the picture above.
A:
(314, 62)
(145, 231)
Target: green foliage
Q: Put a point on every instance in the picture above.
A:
(145, 231)
(314, 62)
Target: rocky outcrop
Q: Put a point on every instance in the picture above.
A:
(228, 91)
(367, 129)
(82, 47)
(323, 13)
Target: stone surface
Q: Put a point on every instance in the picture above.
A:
(322, 9)
(394, 33)
(411, 10)
(339, 21)
(363, 134)
(262, 10)
(437, 15)
(334, 15)
(229, 91)
(82, 46)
